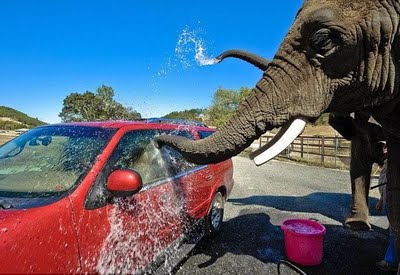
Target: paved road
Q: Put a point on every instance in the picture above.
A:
(252, 241)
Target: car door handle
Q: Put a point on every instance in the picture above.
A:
(209, 177)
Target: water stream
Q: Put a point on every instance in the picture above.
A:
(190, 52)
(191, 44)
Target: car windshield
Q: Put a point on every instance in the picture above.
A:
(50, 160)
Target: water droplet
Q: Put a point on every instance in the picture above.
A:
(184, 48)
(190, 51)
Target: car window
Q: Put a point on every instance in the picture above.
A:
(49, 160)
(136, 151)
(177, 162)
(204, 134)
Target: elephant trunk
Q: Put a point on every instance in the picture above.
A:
(233, 137)
(256, 115)
(253, 59)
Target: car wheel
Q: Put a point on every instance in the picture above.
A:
(215, 215)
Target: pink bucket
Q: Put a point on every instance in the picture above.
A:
(303, 241)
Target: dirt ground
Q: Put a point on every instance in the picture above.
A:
(323, 130)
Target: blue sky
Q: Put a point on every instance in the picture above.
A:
(51, 48)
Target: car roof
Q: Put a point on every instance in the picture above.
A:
(160, 122)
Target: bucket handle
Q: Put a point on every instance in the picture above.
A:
(291, 266)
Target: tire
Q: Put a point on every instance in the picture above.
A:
(213, 222)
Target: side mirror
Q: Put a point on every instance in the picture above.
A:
(47, 140)
(124, 183)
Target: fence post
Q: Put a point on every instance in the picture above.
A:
(322, 150)
(336, 150)
(260, 145)
(301, 147)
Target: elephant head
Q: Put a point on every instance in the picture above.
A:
(338, 56)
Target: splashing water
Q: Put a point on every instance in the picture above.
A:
(184, 47)
(190, 51)
(134, 239)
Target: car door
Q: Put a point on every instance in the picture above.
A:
(222, 172)
(195, 180)
(144, 225)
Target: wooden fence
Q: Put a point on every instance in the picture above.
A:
(324, 151)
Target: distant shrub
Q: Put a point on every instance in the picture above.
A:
(12, 125)
(192, 114)
(24, 119)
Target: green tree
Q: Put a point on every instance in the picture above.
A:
(225, 102)
(90, 106)
(192, 114)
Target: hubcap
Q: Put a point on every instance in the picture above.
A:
(216, 214)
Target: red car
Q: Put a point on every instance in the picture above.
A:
(99, 197)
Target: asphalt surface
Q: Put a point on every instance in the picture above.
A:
(252, 241)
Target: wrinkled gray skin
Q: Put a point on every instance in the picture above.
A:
(338, 56)
(365, 151)
(365, 148)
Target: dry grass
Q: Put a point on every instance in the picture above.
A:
(320, 130)
(323, 130)
(4, 138)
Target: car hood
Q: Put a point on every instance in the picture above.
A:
(39, 239)
(9, 219)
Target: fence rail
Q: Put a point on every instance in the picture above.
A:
(324, 151)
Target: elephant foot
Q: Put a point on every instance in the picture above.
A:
(357, 224)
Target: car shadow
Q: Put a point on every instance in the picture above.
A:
(252, 234)
(333, 205)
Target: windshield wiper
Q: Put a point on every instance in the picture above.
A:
(5, 205)
(13, 154)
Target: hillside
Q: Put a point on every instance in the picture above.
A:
(11, 119)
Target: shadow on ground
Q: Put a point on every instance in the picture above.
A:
(252, 234)
(333, 205)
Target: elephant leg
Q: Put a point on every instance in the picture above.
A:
(358, 218)
(360, 174)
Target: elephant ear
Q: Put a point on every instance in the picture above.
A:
(343, 124)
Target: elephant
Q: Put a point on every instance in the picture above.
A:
(338, 56)
(365, 147)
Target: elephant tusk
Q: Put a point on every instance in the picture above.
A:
(289, 132)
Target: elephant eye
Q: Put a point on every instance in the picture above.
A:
(323, 41)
